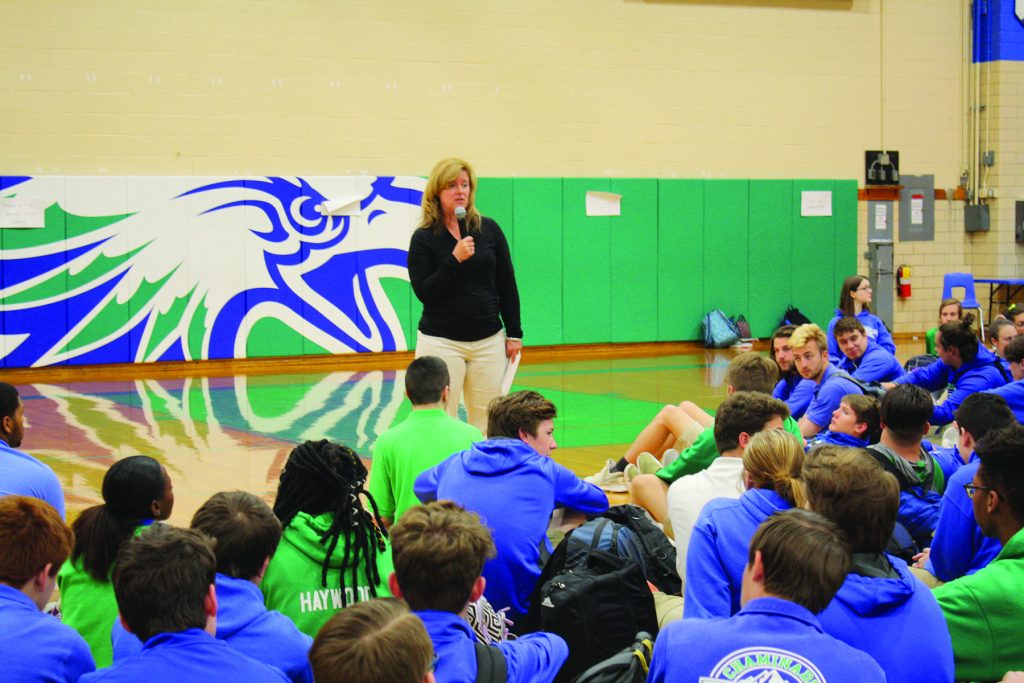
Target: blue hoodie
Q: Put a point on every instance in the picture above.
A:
(770, 639)
(895, 620)
(514, 489)
(35, 646)
(873, 326)
(830, 438)
(876, 365)
(718, 551)
(958, 547)
(979, 374)
(922, 484)
(796, 392)
(191, 655)
(531, 658)
(245, 624)
(1014, 395)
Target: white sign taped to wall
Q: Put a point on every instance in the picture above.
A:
(22, 212)
(816, 203)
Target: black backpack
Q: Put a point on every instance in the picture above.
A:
(793, 316)
(597, 607)
(657, 552)
(628, 666)
(491, 666)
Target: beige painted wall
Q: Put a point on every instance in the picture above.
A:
(656, 88)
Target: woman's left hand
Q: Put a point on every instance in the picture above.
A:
(512, 347)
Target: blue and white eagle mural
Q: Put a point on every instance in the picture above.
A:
(138, 269)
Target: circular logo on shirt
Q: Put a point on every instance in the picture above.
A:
(764, 665)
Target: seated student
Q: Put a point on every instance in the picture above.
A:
(958, 547)
(426, 437)
(749, 371)
(245, 534)
(332, 550)
(796, 391)
(718, 547)
(359, 645)
(863, 359)
(740, 417)
(949, 310)
(1000, 333)
(35, 646)
(688, 427)
(136, 492)
(969, 367)
(439, 551)
(20, 473)
(855, 301)
(880, 602)
(855, 423)
(1015, 314)
(163, 580)
(1014, 391)
(796, 562)
(984, 610)
(905, 411)
(812, 361)
(514, 486)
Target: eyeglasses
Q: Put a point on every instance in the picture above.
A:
(971, 488)
(863, 289)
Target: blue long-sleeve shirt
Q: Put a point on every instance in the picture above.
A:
(958, 547)
(978, 374)
(1014, 395)
(37, 647)
(876, 365)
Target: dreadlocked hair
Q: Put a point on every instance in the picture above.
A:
(325, 477)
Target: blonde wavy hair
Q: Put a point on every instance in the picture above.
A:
(444, 174)
(806, 333)
(773, 459)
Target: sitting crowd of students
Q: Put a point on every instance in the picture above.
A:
(819, 535)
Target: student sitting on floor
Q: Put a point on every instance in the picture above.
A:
(855, 423)
(796, 391)
(1014, 391)
(439, 552)
(812, 360)
(245, 536)
(721, 537)
(963, 363)
(796, 562)
(510, 481)
(137, 491)
(35, 646)
(359, 645)
(332, 550)
(880, 602)
(958, 547)
(1000, 333)
(862, 358)
(164, 583)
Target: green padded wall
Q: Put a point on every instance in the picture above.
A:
(634, 271)
(537, 257)
(680, 259)
(771, 241)
(726, 244)
(586, 265)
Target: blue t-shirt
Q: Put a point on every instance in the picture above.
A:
(35, 646)
(23, 475)
(827, 395)
(531, 657)
(768, 640)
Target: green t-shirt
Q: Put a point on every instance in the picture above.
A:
(929, 341)
(293, 583)
(402, 453)
(703, 452)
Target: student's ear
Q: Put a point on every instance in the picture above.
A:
(124, 623)
(927, 428)
(42, 577)
(210, 601)
(757, 569)
(393, 586)
(729, 390)
(744, 439)
(861, 428)
(478, 589)
(262, 572)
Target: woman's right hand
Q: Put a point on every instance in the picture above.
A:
(464, 249)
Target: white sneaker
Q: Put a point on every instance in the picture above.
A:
(630, 473)
(608, 480)
(647, 463)
(669, 456)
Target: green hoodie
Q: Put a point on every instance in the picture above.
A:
(293, 586)
(983, 611)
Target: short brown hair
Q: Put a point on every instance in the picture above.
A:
(750, 371)
(848, 486)
(773, 460)
(744, 411)
(439, 550)
(521, 411)
(806, 333)
(161, 580)
(377, 641)
(32, 535)
(244, 529)
(806, 557)
(847, 324)
(867, 410)
(1015, 349)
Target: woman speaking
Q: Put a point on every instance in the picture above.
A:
(461, 269)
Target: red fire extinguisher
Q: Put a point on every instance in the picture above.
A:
(903, 281)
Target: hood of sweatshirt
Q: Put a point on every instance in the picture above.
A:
(244, 601)
(305, 532)
(869, 596)
(495, 457)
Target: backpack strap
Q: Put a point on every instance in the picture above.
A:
(491, 666)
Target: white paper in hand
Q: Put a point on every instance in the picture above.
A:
(510, 373)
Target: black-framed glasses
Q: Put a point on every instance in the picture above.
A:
(863, 289)
(972, 488)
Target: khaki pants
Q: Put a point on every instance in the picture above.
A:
(475, 369)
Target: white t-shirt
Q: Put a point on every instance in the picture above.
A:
(688, 495)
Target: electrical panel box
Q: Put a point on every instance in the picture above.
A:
(1018, 221)
(880, 222)
(976, 218)
(917, 208)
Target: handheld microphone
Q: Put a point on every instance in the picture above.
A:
(460, 216)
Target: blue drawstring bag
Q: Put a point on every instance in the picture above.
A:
(719, 331)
